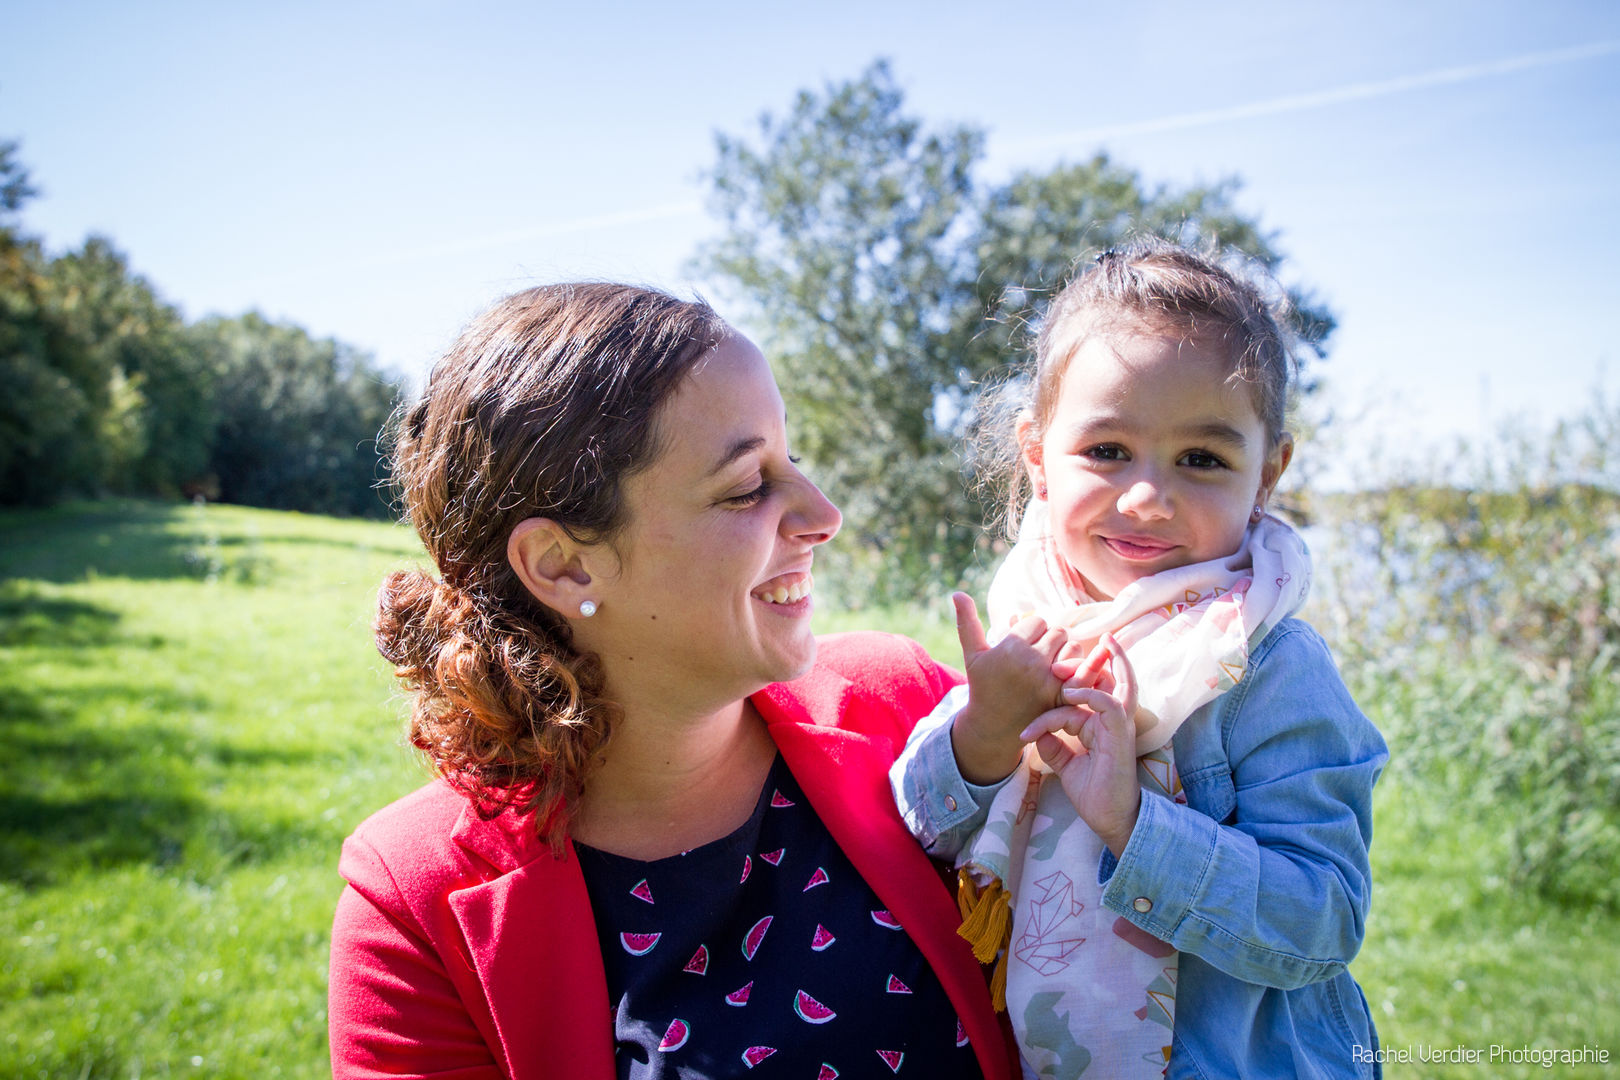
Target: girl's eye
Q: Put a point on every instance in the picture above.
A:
(1201, 459)
(1107, 452)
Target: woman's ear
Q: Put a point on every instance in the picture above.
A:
(551, 565)
(1276, 464)
(1029, 448)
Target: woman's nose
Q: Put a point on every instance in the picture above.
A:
(815, 518)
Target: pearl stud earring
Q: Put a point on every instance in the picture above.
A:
(587, 608)
(1259, 512)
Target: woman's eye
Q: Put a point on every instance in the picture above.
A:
(749, 498)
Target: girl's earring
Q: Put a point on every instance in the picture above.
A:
(1259, 512)
(587, 608)
(1040, 491)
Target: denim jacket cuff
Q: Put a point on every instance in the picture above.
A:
(933, 798)
(1154, 884)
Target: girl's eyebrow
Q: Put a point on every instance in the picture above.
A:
(1217, 431)
(1211, 430)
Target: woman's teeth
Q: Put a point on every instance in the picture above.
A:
(787, 594)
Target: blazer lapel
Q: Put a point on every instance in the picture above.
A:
(532, 943)
(845, 775)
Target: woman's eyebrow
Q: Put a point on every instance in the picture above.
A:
(740, 448)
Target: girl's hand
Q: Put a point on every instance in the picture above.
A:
(1007, 685)
(1100, 776)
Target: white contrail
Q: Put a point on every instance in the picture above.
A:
(547, 230)
(1301, 102)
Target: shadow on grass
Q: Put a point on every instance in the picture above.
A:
(127, 538)
(82, 790)
(78, 796)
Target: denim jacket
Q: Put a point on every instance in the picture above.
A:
(1261, 880)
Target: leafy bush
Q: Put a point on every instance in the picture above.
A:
(1477, 615)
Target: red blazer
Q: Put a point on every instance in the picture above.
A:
(463, 949)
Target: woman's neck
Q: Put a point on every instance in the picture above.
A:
(670, 783)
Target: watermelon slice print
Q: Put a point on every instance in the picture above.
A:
(885, 919)
(810, 1010)
(780, 800)
(822, 939)
(699, 964)
(639, 944)
(740, 996)
(676, 1036)
(827, 1072)
(897, 987)
(642, 891)
(892, 1058)
(748, 867)
(818, 878)
(756, 1054)
(961, 1033)
(756, 934)
(774, 857)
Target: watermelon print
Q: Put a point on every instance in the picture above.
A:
(781, 801)
(961, 1033)
(756, 934)
(818, 878)
(892, 1058)
(756, 1054)
(810, 1010)
(675, 1036)
(694, 983)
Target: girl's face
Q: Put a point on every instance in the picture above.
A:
(707, 590)
(1152, 459)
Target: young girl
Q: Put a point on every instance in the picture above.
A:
(1187, 880)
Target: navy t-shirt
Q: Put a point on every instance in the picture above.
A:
(765, 954)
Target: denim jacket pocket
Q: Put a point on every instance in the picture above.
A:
(1210, 791)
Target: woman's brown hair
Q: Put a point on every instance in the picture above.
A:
(542, 408)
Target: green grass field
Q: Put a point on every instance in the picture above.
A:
(194, 718)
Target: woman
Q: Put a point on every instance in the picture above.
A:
(663, 841)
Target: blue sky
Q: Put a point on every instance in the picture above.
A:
(1444, 174)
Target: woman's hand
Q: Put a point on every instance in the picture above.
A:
(1099, 773)
(1007, 685)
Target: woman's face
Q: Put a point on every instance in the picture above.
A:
(710, 593)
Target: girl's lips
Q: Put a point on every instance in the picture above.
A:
(1137, 548)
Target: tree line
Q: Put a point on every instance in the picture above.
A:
(106, 389)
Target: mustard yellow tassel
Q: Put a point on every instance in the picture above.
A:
(998, 983)
(989, 925)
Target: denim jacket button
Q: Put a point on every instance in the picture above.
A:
(950, 802)
(1142, 904)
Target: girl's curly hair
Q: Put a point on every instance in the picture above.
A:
(542, 408)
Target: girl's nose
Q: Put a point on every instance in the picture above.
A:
(1145, 498)
(815, 518)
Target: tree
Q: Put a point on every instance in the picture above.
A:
(888, 285)
(297, 418)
